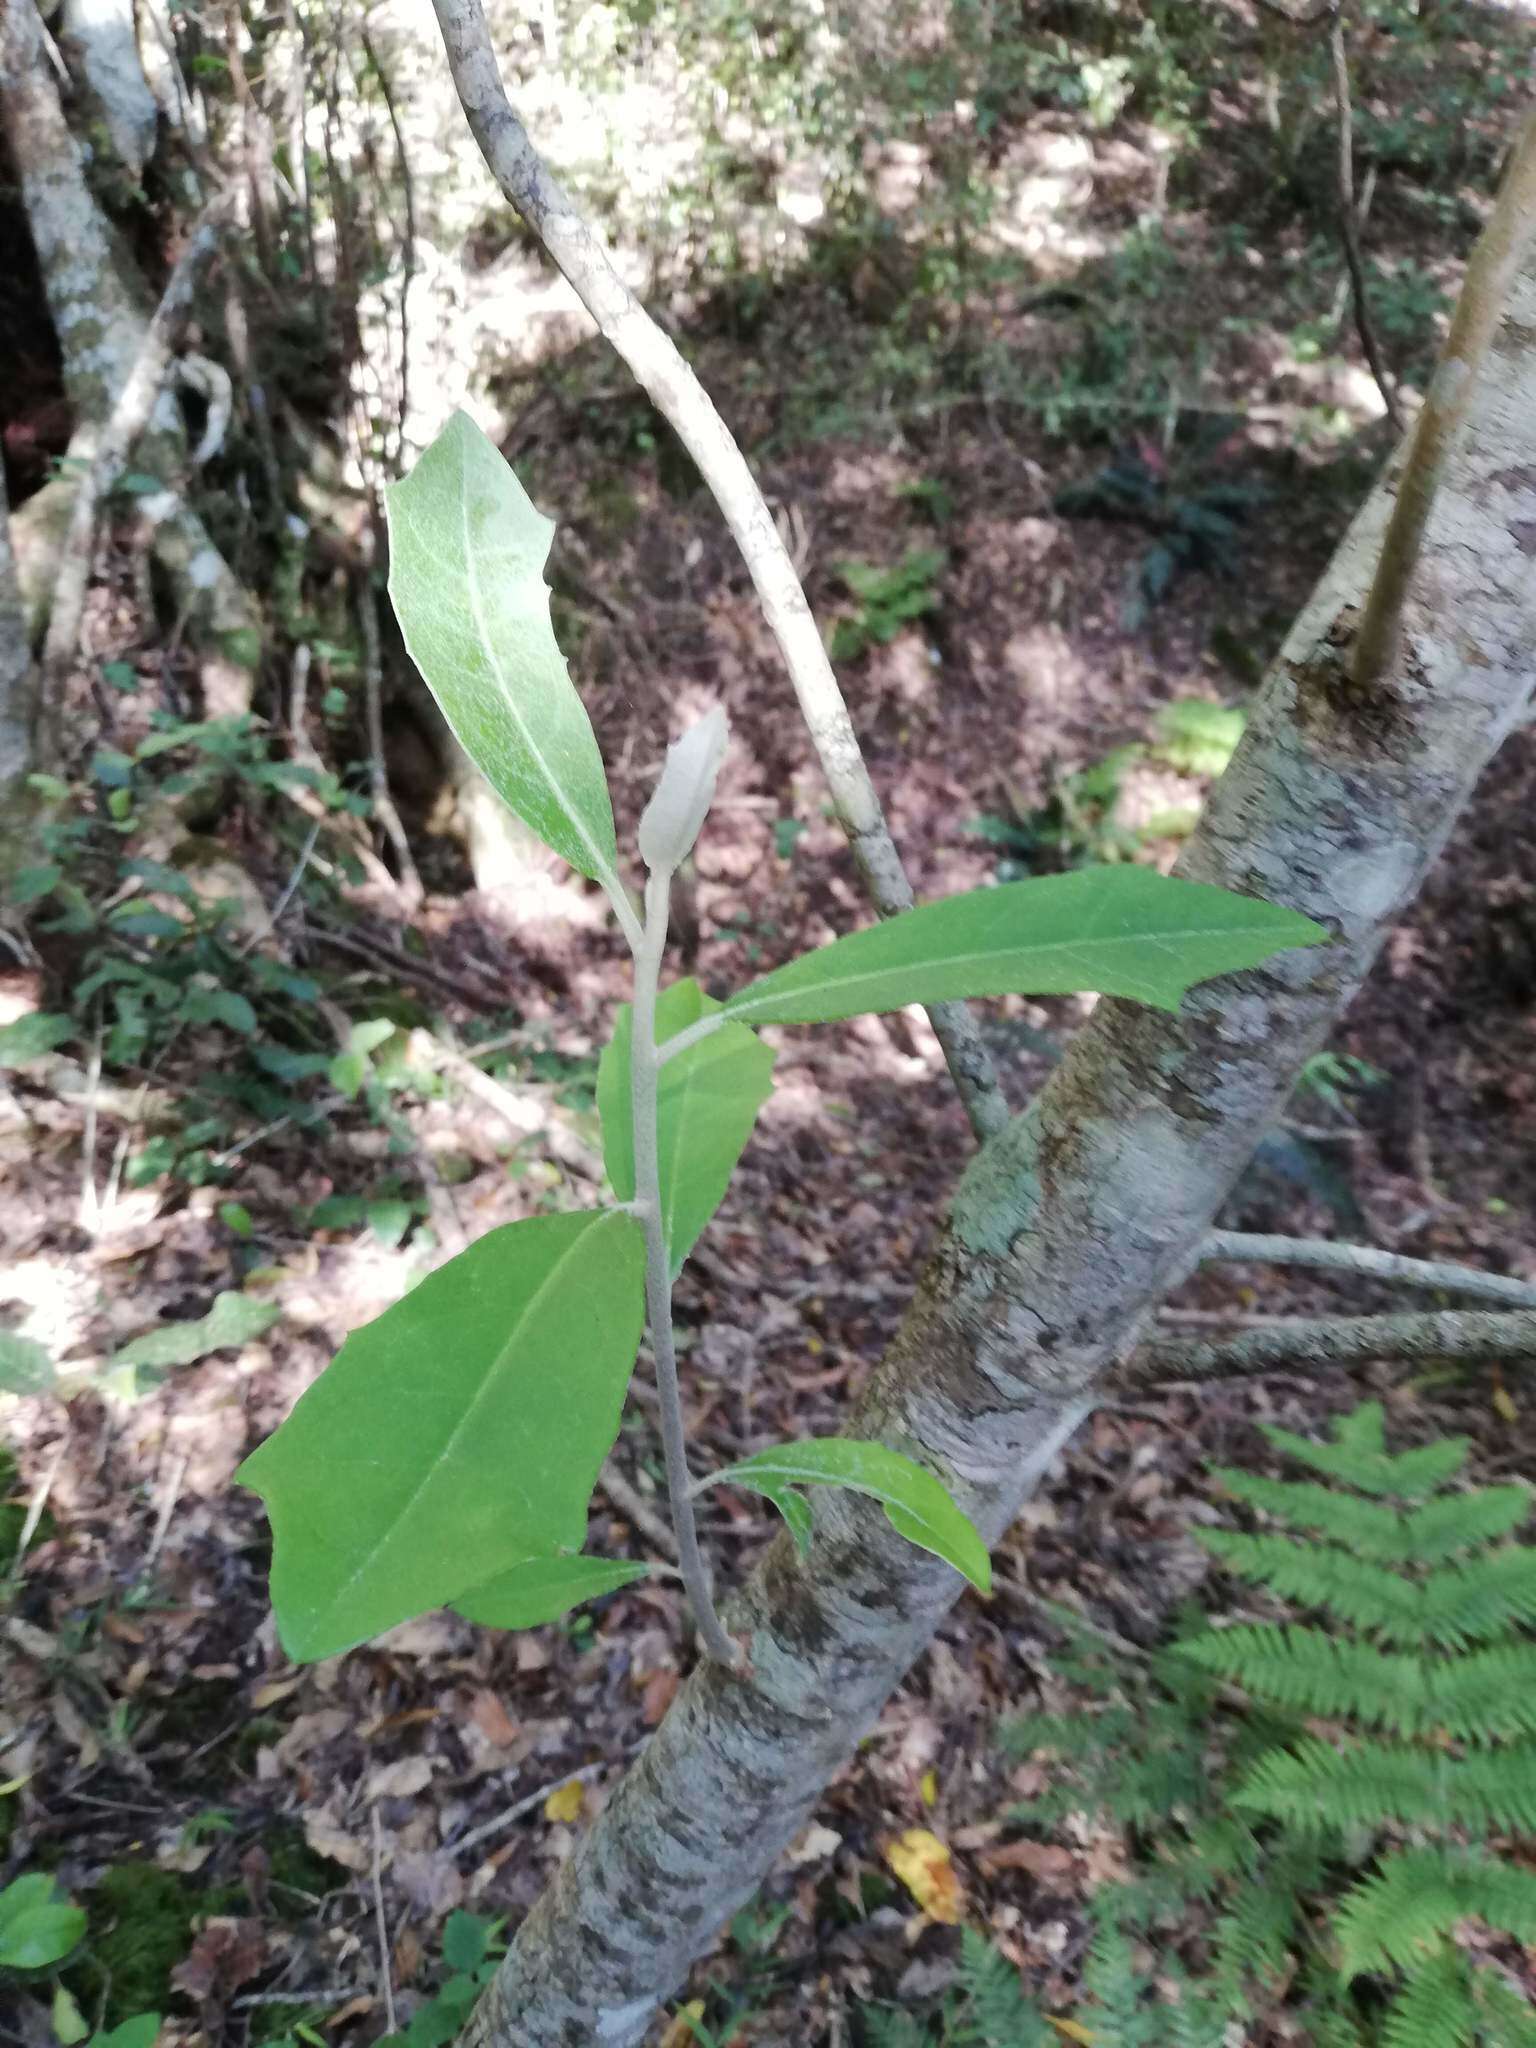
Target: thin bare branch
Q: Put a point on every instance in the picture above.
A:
(1484, 293)
(1453, 1336)
(661, 371)
(1349, 226)
(1365, 1262)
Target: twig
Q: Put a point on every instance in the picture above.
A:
(379, 951)
(386, 1982)
(35, 1508)
(1484, 292)
(1453, 1336)
(1349, 225)
(373, 700)
(632, 1505)
(666, 377)
(526, 1805)
(168, 1502)
(1367, 1263)
(129, 418)
(407, 239)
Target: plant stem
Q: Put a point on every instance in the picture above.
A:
(643, 1072)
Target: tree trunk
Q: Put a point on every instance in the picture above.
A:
(1068, 1228)
(101, 315)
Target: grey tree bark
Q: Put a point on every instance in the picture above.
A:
(1070, 1225)
(102, 318)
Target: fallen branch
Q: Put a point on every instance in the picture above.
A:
(1443, 1336)
(1365, 1262)
(129, 418)
(662, 372)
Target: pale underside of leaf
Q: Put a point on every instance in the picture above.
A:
(468, 551)
(917, 1506)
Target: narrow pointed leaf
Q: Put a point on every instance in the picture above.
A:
(707, 1101)
(467, 554)
(917, 1505)
(543, 1588)
(1123, 931)
(455, 1436)
(796, 1511)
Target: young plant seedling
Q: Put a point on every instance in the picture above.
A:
(447, 1455)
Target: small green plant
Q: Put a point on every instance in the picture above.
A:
(1196, 520)
(38, 1925)
(986, 2008)
(1345, 1832)
(471, 1946)
(480, 1503)
(888, 600)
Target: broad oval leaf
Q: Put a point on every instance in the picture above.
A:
(707, 1100)
(38, 1926)
(458, 1434)
(467, 553)
(917, 1505)
(543, 1588)
(1122, 931)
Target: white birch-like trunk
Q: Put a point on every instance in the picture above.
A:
(1068, 1228)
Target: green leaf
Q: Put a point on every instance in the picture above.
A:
(25, 1366)
(918, 1506)
(542, 1588)
(32, 1037)
(1123, 931)
(347, 1073)
(467, 1940)
(234, 1319)
(219, 1006)
(455, 1436)
(706, 1102)
(142, 2031)
(796, 1510)
(37, 1926)
(467, 555)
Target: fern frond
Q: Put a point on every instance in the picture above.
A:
(1408, 1476)
(1253, 1938)
(1461, 1521)
(1363, 1430)
(1366, 1595)
(1507, 2019)
(1483, 1696)
(997, 2012)
(1366, 1528)
(1308, 1672)
(1469, 1603)
(1401, 1911)
(1434, 2009)
(1312, 1787)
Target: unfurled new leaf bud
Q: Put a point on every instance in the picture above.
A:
(671, 820)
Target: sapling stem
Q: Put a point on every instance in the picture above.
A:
(644, 1069)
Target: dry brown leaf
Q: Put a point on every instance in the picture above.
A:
(660, 1690)
(566, 1801)
(332, 1841)
(492, 1719)
(926, 1868)
(1040, 1859)
(402, 1779)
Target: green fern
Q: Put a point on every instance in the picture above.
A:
(1415, 1899)
(995, 2013)
(1435, 2008)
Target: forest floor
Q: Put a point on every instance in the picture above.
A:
(256, 1826)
